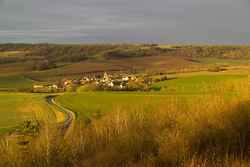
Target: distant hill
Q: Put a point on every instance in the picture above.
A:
(48, 61)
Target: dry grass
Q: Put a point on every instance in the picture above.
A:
(213, 131)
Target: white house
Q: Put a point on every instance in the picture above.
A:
(105, 77)
(38, 86)
(67, 82)
(111, 84)
(125, 78)
(121, 86)
(54, 86)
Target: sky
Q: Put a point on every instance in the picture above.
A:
(119, 21)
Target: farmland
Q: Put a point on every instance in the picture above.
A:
(200, 83)
(45, 62)
(194, 110)
(19, 107)
(15, 82)
(91, 105)
(88, 105)
(185, 87)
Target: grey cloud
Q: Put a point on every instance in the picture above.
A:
(217, 21)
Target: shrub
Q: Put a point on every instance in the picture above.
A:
(176, 133)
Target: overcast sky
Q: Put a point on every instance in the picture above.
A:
(165, 21)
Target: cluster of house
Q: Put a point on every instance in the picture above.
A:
(115, 81)
(45, 88)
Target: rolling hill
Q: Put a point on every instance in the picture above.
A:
(50, 62)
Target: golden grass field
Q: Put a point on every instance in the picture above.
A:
(199, 118)
(148, 129)
(176, 132)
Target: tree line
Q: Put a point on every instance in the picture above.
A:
(47, 56)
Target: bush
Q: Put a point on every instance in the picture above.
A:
(156, 88)
(215, 69)
(174, 134)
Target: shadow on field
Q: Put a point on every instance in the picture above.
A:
(188, 136)
(229, 134)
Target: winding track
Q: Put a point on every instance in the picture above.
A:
(70, 115)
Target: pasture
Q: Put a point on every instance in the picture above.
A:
(15, 82)
(12, 53)
(185, 88)
(198, 117)
(197, 83)
(15, 108)
(95, 104)
(194, 123)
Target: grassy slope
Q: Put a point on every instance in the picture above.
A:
(152, 63)
(196, 84)
(187, 87)
(148, 64)
(15, 82)
(223, 62)
(171, 58)
(12, 53)
(16, 108)
(95, 104)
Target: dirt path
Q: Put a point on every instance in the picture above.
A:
(68, 123)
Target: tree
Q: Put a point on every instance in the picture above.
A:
(44, 65)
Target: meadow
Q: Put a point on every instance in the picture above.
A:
(199, 117)
(11, 53)
(17, 108)
(146, 129)
(96, 104)
(15, 82)
(185, 87)
(197, 83)
(93, 105)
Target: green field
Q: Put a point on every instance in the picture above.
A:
(95, 104)
(11, 53)
(198, 116)
(185, 87)
(15, 108)
(196, 83)
(15, 82)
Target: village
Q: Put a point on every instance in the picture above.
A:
(104, 82)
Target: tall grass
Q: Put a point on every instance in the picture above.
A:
(209, 130)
